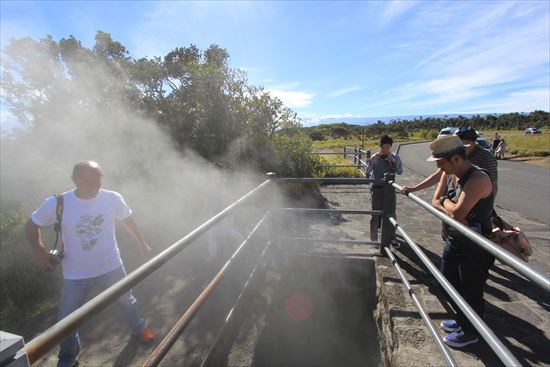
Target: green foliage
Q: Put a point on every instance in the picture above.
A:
(428, 134)
(428, 128)
(24, 289)
(292, 155)
(335, 160)
(194, 96)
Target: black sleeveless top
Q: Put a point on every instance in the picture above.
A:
(479, 217)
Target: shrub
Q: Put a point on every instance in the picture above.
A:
(25, 290)
(291, 155)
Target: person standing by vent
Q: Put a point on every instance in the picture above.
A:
(475, 154)
(382, 162)
(89, 254)
(464, 263)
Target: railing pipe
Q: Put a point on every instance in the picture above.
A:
(388, 202)
(228, 318)
(40, 345)
(331, 211)
(166, 344)
(521, 267)
(427, 321)
(332, 180)
(329, 240)
(333, 153)
(496, 345)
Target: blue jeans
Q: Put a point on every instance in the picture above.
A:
(466, 267)
(74, 294)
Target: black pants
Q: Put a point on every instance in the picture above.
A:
(377, 203)
(466, 267)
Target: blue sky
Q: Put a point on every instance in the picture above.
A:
(335, 59)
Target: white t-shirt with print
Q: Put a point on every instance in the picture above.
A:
(88, 228)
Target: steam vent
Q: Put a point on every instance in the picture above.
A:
(288, 276)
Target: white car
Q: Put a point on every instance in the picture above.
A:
(447, 131)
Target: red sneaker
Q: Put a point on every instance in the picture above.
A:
(146, 335)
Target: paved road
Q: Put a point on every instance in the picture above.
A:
(523, 188)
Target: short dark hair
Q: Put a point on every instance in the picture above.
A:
(385, 139)
(467, 133)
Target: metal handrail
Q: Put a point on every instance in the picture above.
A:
(40, 345)
(179, 327)
(332, 180)
(228, 318)
(486, 333)
(504, 256)
(427, 321)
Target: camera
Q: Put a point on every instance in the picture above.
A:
(383, 156)
(55, 253)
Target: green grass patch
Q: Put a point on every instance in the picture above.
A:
(524, 145)
(518, 144)
(346, 172)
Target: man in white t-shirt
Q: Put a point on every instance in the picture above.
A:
(90, 256)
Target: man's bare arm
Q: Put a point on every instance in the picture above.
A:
(477, 188)
(132, 228)
(428, 182)
(42, 258)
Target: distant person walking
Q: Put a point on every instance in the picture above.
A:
(382, 162)
(463, 263)
(496, 142)
(475, 154)
(90, 256)
(501, 149)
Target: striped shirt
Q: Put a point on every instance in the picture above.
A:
(484, 159)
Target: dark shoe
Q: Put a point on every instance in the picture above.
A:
(460, 339)
(450, 326)
(146, 336)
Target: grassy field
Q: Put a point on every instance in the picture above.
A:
(519, 145)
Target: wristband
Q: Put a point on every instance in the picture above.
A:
(442, 200)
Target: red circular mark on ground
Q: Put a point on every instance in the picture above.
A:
(299, 306)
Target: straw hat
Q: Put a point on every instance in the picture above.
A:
(442, 147)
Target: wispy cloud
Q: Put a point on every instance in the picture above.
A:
(395, 9)
(521, 101)
(343, 91)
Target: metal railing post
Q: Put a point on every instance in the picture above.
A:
(388, 207)
(345, 152)
(359, 164)
(355, 156)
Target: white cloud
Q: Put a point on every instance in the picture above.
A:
(293, 98)
(309, 119)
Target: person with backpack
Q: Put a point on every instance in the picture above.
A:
(89, 252)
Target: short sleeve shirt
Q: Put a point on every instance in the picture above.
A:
(88, 232)
(484, 159)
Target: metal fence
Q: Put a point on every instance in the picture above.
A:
(357, 156)
(40, 345)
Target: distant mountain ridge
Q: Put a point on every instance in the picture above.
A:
(386, 119)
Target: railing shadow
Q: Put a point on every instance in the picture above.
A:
(524, 332)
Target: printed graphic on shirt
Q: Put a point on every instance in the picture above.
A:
(88, 229)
